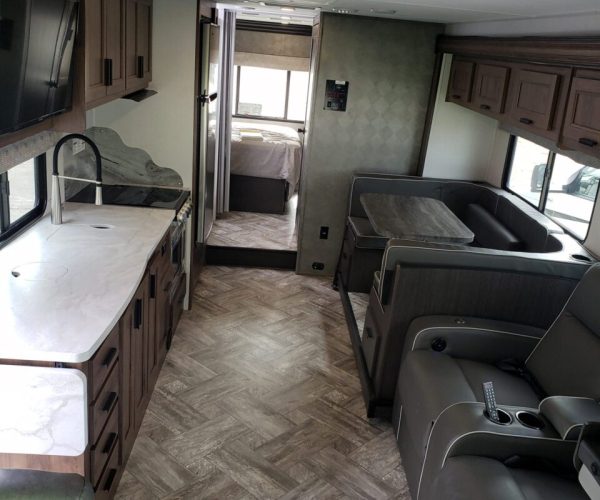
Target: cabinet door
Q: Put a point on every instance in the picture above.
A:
(582, 123)
(152, 363)
(114, 51)
(139, 42)
(127, 423)
(95, 84)
(489, 89)
(537, 99)
(461, 82)
(139, 353)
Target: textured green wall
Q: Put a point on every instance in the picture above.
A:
(389, 65)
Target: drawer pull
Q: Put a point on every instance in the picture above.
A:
(153, 286)
(369, 332)
(110, 357)
(112, 439)
(137, 315)
(110, 402)
(110, 479)
(485, 106)
(526, 121)
(588, 142)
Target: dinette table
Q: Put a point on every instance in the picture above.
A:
(414, 218)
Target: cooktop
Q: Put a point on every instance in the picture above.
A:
(137, 196)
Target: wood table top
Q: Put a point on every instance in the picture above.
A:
(414, 218)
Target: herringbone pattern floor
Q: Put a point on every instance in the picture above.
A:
(259, 398)
(252, 230)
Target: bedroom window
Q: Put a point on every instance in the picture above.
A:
(270, 93)
(561, 188)
(22, 196)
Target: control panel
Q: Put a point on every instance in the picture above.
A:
(336, 95)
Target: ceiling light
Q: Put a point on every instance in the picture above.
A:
(288, 9)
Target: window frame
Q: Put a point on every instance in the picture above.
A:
(10, 230)
(541, 207)
(238, 78)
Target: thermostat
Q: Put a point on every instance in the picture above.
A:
(336, 95)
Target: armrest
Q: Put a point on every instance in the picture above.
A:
(569, 414)
(587, 459)
(478, 339)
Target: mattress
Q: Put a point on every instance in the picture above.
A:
(267, 151)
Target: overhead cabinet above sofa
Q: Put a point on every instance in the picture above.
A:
(511, 81)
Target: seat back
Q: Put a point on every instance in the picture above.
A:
(566, 362)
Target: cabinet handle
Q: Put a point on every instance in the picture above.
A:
(109, 357)
(526, 121)
(369, 332)
(110, 479)
(110, 443)
(137, 314)
(108, 72)
(153, 286)
(110, 402)
(588, 142)
(485, 106)
(140, 66)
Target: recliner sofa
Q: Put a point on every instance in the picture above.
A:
(548, 389)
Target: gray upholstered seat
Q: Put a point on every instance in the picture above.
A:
(476, 478)
(565, 362)
(37, 485)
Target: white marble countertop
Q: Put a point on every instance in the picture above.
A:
(63, 288)
(44, 411)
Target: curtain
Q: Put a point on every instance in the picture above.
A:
(225, 109)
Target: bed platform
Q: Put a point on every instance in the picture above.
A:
(257, 194)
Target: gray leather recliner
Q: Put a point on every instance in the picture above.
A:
(477, 478)
(439, 392)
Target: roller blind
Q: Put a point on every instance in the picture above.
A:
(272, 50)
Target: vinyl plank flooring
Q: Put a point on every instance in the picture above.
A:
(259, 398)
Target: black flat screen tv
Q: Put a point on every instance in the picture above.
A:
(36, 52)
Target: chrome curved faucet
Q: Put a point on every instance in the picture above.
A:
(56, 206)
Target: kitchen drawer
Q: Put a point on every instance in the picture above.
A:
(107, 400)
(101, 451)
(107, 486)
(103, 362)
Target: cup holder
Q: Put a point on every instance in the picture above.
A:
(581, 258)
(504, 416)
(531, 420)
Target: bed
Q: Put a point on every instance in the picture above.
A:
(265, 167)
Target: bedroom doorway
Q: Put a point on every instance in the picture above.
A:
(270, 84)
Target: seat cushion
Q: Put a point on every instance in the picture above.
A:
(32, 485)
(429, 382)
(489, 231)
(365, 235)
(475, 478)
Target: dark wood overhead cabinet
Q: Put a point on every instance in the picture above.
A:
(118, 48)
(490, 88)
(582, 121)
(138, 45)
(461, 81)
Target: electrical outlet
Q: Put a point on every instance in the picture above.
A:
(78, 146)
(318, 266)
(324, 233)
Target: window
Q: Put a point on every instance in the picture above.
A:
(22, 195)
(561, 188)
(270, 93)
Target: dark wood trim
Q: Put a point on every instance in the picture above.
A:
(251, 257)
(569, 51)
(435, 83)
(375, 408)
(286, 29)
